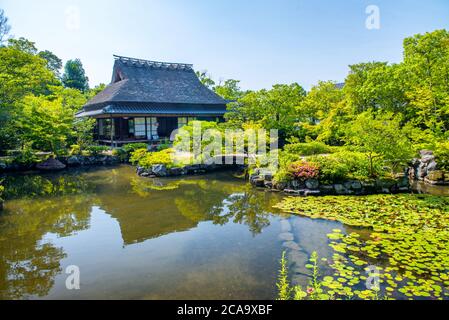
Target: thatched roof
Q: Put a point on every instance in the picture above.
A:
(150, 82)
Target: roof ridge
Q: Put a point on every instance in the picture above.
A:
(154, 64)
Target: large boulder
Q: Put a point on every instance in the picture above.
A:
(51, 164)
(312, 184)
(159, 170)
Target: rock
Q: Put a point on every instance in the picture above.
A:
(424, 153)
(291, 245)
(340, 189)
(432, 166)
(427, 159)
(286, 226)
(295, 184)
(145, 174)
(309, 193)
(291, 191)
(280, 186)
(327, 189)
(159, 170)
(435, 177)
(286, 236)
(73, 161)
(298, 259)
(356, 185)
(258, 182)
(51, 164)
(176, 172)
(268, 184)
(312, 184)
(446, 176)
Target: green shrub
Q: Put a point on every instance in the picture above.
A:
(309, 148)
(442, 154)
(96, 150)
(129, 148)
(75, 150)
(121, 154)
(345, 165)
(153, 158)
(24, 157)
(138, 155)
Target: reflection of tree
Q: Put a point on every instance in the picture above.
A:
(248, 207)
(19, 186)
(28, 266)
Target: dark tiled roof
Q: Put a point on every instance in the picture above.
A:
(143, 81)
(155, 109)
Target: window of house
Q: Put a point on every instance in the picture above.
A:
(104, 127)
(139, 127)
(152, 126)
(182, 121)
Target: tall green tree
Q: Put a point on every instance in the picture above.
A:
(74, 76)
(21, 73)
(54, 64)
(205, 79)
(229, 90)
(426, 64)
(380, 136)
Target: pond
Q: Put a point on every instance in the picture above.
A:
(203, 237)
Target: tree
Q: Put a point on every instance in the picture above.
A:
(74, 76)
(380, 136)
(426, 64)
(272, 109)
(205, 79)
(21, 74)
(5, 28)
(45, 123)
(229, 90)
(23, 45)
(54, 64)
(319, 104)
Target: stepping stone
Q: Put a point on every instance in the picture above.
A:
(286, 226)
(286, 236)
(291, 245)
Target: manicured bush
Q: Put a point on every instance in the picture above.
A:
(309, 148)
(96, 150)
(303, 170)
(153, 158)
(129, 148)
(138, 155)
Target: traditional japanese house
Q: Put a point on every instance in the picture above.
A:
(147, 100)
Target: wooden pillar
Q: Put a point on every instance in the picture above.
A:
(146, 128)
(112, 132)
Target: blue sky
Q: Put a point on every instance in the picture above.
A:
(260, 42)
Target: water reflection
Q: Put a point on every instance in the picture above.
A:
(44, 208)
(28, 265)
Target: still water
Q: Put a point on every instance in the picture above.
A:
(204, 237)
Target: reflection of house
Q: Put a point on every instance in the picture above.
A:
(147, 100)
